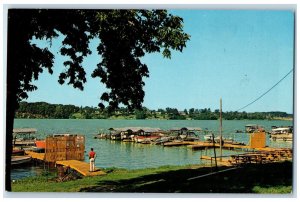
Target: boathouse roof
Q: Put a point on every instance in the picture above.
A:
(24, 130)
(186, 128)
(136, 129)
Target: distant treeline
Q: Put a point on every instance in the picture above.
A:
(59, 111)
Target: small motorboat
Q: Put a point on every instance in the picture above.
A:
(282, 133)
(163, 140)
(17, 160)
(209, 137)
(18, 152)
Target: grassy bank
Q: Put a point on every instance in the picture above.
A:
(267, 178)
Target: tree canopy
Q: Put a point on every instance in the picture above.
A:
(60, 111)
(125, 36)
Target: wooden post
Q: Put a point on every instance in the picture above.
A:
(221, 139)
(213, 139)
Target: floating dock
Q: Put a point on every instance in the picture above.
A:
(200, 145)
(79, 166)
(35, 155)
(172, 144)
(208, 145)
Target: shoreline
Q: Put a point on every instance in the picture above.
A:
(274, 119)
(172, 179)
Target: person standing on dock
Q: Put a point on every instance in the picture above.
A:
(92, 157)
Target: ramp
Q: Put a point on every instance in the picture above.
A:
(35, 155)
(81, 167)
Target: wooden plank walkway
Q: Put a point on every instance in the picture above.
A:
(35, 155)
(203, 145)
(171, 144)
(81, 167)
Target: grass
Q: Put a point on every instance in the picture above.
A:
(275, 178)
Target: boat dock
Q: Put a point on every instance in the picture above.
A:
(79, 166)
(35, 155)
(172, 144)
(260, 156)
(200, 145)
(208, 145)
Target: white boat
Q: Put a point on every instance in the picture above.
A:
(116, 136)
(163, 140)
(186, 133)
(145, 138)
(251, 128)
(209, 137)
(282, 133)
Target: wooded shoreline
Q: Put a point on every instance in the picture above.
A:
(43, 110)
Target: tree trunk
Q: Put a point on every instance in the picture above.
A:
(10, 106)
(11, 100)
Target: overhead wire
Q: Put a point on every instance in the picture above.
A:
(266, 91)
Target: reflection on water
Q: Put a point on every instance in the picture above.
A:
(27, 170)
(134, 156)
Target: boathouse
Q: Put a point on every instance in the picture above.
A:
(24, 137)
(61, 147)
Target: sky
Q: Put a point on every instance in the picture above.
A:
(236, 55)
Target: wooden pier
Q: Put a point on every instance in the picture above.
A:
(200, 145)
(263, 155)
(79, 166)
(208, 145)
(35, 155)
(172, 144)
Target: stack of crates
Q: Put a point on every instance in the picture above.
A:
(62, 147)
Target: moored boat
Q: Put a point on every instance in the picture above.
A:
(209, 138)
(115, 136)
(186, 133)
(162, 140)
(282, 133)
(17, 160)
(18, 152)
(251, 128)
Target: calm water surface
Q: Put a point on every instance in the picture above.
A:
(134, 156)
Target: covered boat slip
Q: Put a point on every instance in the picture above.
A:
(149, 130)
(149, 135)
(144, 131)
(136, 129)
(24, 137)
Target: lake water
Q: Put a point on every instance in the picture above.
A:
(134, 156)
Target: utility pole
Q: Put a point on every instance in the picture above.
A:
(213, 139)
(221, 139)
